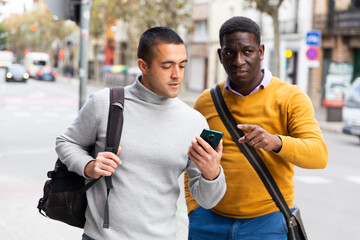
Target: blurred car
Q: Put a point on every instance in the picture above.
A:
(46, 73)
(351, 110)
(16, 73)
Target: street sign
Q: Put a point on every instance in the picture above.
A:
(313, 38)
(312, 53)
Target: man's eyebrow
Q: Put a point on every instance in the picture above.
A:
(172, 62)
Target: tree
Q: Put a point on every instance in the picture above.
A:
(271, 7)
(137, 16)
(21, 37)
(3, 38)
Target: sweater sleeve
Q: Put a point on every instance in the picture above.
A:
(304, 145)
(74, 145)
(206, 193)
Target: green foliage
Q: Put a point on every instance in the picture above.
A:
(3, 37)
(139, 15)
(21, 38)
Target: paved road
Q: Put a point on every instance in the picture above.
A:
(33, 114)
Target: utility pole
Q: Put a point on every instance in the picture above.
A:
(85, 8)
(79, 12)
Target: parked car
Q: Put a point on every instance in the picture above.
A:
(351, 110)
(46, 73)
(16, 73)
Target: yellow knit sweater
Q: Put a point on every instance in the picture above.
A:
(281, 109)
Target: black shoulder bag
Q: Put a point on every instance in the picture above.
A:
(64, 196)
(296, 230)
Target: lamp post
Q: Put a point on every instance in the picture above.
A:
(85, 8)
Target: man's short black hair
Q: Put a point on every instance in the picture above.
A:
(154, 36)
(239, 24)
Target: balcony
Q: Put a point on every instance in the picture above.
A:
(345, 23)
(288, 27)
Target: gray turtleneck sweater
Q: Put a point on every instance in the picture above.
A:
(157, 133)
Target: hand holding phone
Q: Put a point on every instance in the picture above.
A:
(212, 137)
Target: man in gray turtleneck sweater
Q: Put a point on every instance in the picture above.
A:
(159, 133)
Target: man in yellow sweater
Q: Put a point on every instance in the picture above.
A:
(278, 121)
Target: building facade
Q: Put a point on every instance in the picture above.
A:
(335, 23)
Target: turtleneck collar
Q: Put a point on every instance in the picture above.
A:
(146, 95)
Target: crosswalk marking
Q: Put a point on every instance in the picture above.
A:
(312, 179)
(324, 180)
(355, 179)
(22, 114)
(51, 114)
(13, 110)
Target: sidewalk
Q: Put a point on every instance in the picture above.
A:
(189, 97)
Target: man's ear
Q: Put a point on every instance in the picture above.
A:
(143, 66)
(219, 54)
(262, 51)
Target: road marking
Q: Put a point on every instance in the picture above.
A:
(312, 179)
(36, 108)
(355, 179)
(22, 114)
(11, 107)
(27, 151)
(5, 226)
(39, 100)
(51, 114)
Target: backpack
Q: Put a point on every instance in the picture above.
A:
(64, 196)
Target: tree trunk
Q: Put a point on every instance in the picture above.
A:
(275, 19)
(96, 63)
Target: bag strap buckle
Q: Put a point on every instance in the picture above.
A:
(292, 222)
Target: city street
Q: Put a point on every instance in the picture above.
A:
(35, 113)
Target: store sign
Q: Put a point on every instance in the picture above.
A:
(337, 83)
(313, 38)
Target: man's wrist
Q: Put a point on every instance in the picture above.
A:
(213, 176)
(88, 168)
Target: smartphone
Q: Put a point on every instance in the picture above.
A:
(212, 137)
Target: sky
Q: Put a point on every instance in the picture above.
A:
(14, 6)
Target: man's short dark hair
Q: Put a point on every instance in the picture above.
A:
(239, 24)
(154, 36)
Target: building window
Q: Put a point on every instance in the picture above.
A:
(201, 31)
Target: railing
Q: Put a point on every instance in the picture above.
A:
(288, 27)
(339, 21)
(348, 19)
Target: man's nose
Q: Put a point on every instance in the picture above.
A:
(239, 59)
(175, 72)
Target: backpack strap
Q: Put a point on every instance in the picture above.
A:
(113, 136)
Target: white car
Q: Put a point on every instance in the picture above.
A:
(351, 110)
(34, 61)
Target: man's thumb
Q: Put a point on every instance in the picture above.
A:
(119, 150)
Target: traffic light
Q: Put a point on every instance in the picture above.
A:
(288, 55)
(74, 8)
(65, 9)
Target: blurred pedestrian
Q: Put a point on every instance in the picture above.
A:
(278, 121)
(158, 131)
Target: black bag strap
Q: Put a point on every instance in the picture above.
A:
(113, 136)
(251, 154)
